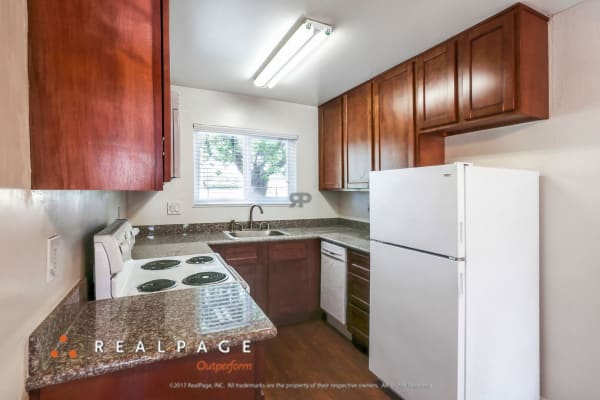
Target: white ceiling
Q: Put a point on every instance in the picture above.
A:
(220, 44)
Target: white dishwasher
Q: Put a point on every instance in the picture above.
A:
(333, 281)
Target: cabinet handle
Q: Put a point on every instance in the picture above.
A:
(360, 267)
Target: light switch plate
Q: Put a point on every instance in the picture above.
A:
(173, 208)
(52, 253)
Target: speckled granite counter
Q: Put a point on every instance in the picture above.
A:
(172, 244)
(209, 314)
(169, 316)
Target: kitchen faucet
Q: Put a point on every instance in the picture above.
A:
(250, 223)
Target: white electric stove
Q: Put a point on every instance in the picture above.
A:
(116, 274)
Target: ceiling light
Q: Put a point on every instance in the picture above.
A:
(303, 42)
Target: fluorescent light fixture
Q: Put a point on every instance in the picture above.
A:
(303, 42)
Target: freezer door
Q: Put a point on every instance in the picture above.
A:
(416, 340)
(420, 208)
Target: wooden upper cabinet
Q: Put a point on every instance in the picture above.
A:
(492, 74)
(393, 118)
(99, 94)
(330, 145)
(437, 99)
(488, 68)
(358, 136)
(504, 70)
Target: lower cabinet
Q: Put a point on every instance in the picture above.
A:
(167, 379)
(250, 261)
(358, 298)
(294, 281)
(284, 277)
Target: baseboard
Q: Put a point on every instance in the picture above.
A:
(338, 326)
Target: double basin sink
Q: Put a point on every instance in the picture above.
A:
(253, 234)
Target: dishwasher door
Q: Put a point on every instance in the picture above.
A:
(333, 281)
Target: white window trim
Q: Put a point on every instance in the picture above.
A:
(197, 127)
(241, 131)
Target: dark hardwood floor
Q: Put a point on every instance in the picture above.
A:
(313, 352)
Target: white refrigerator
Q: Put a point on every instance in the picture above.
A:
(454, 307)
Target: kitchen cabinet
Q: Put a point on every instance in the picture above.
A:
(357, 321)
(492, 74)
(393, 118)
(503, 67)
(250, 261)
(488, 70)
(430, 150)
(159, 380)
(437, 99)
(331, 170)
(358, 136)
(294, 281)
(99, 94)
(284, 276)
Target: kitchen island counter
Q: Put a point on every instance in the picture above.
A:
(201, 318)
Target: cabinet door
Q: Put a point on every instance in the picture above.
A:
(249, 260)
(358, 325)
(437, 87)
(331, 172)
(488, 68)
(294, 281)
(96, 78)
(358, 135)
(393, 118)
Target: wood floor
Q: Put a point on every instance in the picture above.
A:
(313, 352)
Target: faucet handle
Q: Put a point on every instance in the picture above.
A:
(263, 224)
(233, 224)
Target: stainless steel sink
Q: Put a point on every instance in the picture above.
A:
(253, 234)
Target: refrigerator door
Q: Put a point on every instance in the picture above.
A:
(419, 208)
(416, 340)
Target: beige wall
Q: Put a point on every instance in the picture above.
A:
(566, 150)
(28, 218)
(14, 136)
(225, 109)
(354, 205)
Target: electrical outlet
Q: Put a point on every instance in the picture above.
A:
(52, 253)
(173, 208)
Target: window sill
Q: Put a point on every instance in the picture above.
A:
(215, 205)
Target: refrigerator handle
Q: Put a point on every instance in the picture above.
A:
(461, 283)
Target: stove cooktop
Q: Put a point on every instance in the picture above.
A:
(160, 265)
(204, 278)
(200, 260)
(170, 273)
(156, 285)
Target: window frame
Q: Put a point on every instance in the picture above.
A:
(245, 132)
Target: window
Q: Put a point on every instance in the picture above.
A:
(235, 166)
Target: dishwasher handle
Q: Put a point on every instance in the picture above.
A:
(333, 255)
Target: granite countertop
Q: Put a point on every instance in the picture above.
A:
(171, 244)
(186, 315)
(189, 315)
